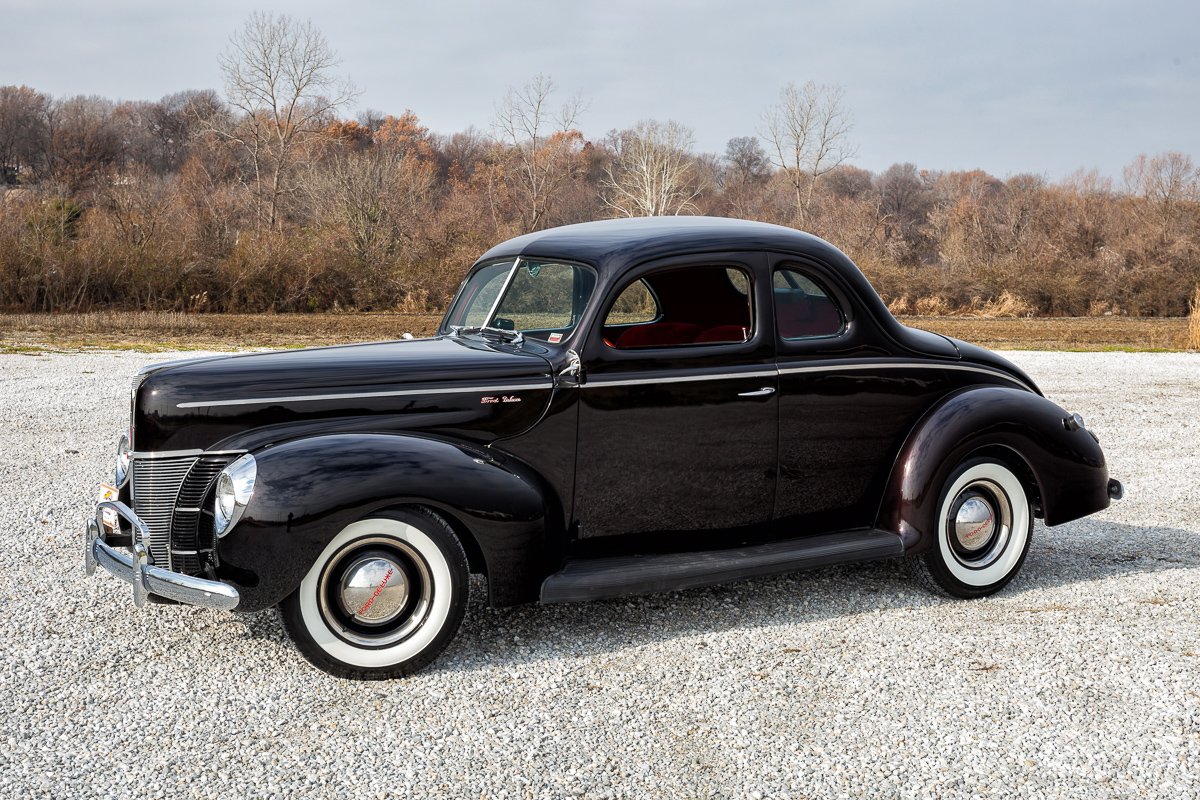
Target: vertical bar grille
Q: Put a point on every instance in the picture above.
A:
(191, 531)
(156, 483)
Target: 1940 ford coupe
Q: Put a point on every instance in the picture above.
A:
(611, 408)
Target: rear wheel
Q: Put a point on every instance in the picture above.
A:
(984, 528)
(383, 599)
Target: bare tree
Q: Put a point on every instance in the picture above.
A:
(808, 130)
(1165, 181)
(651, 173)
(24, 132)
(278, 75)
(87, 147)
(371, 199)
(541, 145)
(744, 171)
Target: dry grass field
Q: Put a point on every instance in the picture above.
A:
(155, 331)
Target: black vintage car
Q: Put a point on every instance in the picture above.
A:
(611, 408)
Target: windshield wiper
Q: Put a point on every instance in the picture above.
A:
(516, 337)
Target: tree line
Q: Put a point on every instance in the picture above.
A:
(269, 197)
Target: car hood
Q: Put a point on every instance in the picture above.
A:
(445, 383)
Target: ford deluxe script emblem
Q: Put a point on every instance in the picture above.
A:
(504, 398)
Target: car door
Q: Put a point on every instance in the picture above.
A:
(843, 409)
(677, 417)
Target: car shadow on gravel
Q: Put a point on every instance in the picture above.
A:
(1084, 551)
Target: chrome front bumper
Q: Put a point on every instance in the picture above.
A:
(146, 578)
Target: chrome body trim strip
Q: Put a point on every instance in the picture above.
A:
(306, 398)
(146, 578)
(786, 370)
(795, 370)
(185, 453)
(593, 382)
(712, 376)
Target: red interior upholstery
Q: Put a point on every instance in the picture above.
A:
(659, 334)
(724, 333)
(798, 316)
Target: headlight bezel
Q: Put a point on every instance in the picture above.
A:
(232, 492)
(124, 461)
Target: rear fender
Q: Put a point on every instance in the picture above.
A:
(1064, 469)
(308, 490)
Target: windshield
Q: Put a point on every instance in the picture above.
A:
(540, 299)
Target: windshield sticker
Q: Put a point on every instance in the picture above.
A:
(555, 338)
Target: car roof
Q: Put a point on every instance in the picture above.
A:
(614, 244)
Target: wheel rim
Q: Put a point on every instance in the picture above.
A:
(979, 524)
(375, 592)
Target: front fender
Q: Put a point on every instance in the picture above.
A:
(1067, 467)
(308, 490)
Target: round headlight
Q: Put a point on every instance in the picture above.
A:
(235, 487)
(121, 474)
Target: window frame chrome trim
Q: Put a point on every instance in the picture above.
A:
(512, 273)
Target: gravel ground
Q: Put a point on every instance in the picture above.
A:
(1080, 680)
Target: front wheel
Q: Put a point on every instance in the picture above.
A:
(984, 527)
(383, 599)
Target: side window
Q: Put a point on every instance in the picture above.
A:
(803, 309)
(635, 305)
(680, 307)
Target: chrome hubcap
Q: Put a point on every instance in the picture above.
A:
(374, 590)
(975, 523)
(978, 523)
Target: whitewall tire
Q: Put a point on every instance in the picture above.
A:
(983, 530)
(384, 597)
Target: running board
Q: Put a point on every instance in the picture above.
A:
(616, 576)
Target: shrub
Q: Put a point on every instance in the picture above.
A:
(933, 305)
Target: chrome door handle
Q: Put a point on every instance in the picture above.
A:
(763, 392)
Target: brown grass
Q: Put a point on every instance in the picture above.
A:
(164, 330)
(1062, 333)
(171, 331)
(1193, 329)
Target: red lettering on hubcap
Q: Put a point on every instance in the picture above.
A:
(378, 589)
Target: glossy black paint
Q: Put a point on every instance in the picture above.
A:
(705, 454)
(184, 406)
(310, 488)
(1067, 468)
(648, 452)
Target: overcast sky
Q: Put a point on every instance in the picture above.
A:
(1008, 86)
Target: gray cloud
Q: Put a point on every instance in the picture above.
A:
(1009, 87)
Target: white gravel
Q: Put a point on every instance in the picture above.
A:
(1080, 680)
